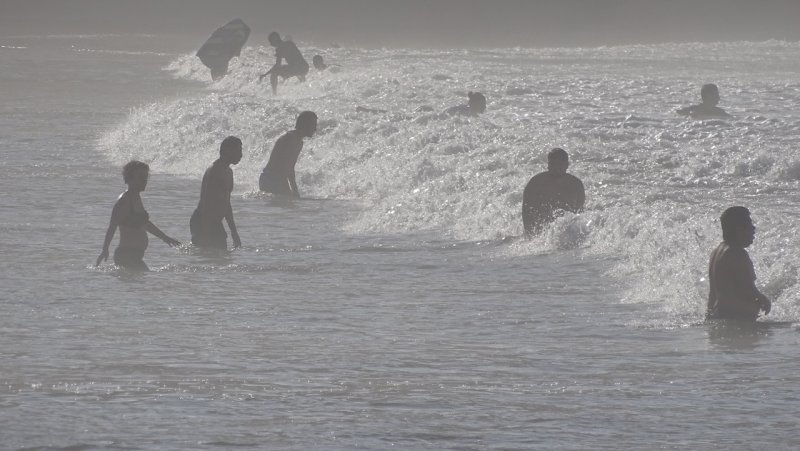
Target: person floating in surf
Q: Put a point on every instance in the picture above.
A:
(278, 176)
(319, 63)
(732, 290)
(133, 222)
(550, 193)
(215, 200)
(475, 106)
(296, 65)
(709, 94)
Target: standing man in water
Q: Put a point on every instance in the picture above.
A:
(709, 94)
(296, 65)
(549, 192)
(733, 293)
(278, 176)
(215, 200)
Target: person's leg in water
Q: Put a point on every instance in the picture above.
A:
(130, 258)
(269, 184)
(207, 235)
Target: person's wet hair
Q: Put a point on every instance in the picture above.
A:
(132, 168)
(273, 37)
(557, 154)
(709, 91)
(477, 101)
(304, 118)
(731, 219)
(229, 145)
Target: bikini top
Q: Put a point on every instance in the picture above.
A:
(135, 218)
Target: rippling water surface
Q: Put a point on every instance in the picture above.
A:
(396, 306)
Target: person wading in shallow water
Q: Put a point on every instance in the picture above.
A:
(278, 176)
(215, 200)
(732, 280)
(133, 222)
(550, 192)
(296, 65)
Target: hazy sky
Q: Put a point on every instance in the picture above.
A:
(426, 23)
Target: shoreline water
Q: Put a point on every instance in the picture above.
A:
(384, 317)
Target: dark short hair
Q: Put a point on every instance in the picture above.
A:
(230, 144)
(708, 89)
(476, 96)
(131, 168)
(304, 117)
(557, 154)
(732, 218)
(273, 35)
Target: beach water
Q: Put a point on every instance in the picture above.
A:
(396, 305)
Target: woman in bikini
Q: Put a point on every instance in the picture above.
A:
(133, 221)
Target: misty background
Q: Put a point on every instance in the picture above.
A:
(421, 23)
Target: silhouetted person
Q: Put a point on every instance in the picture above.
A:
(551, 192)
(215, 200)
(278, 176)
(225, 43)
(296, 65)
(732, 279)
(133, 222)
(709, 94)
(319, 63)
(475, 106)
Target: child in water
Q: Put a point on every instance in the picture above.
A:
(133, 222)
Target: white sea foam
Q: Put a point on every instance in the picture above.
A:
(655, 182)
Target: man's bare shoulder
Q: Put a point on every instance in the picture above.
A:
(539, 178)
(574, 180)
(728, 253)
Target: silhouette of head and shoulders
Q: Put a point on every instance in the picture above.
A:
(551, 192)
(709, 94)
(475, 105)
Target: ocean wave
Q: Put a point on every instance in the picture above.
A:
(655, 181)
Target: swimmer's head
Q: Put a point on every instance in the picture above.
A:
(477, 102)
(306, 123)
(135, 175)
(710, 94)
(231, 150)
(557, 161)
(737, 227)
(318, 62)
(274, 38)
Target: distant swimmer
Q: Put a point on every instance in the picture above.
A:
(733, 293)
(296, 65)
(278, 176)
(215, 200)
(475, 106)
(319, 63)
(133, 222)
(551, 192)
(709, 94)
(225, 43)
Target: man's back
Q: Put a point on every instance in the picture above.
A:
(703, 111)
(284, 155)
(731, 276)
(545, 193)
(289, 51)
(215, 192)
